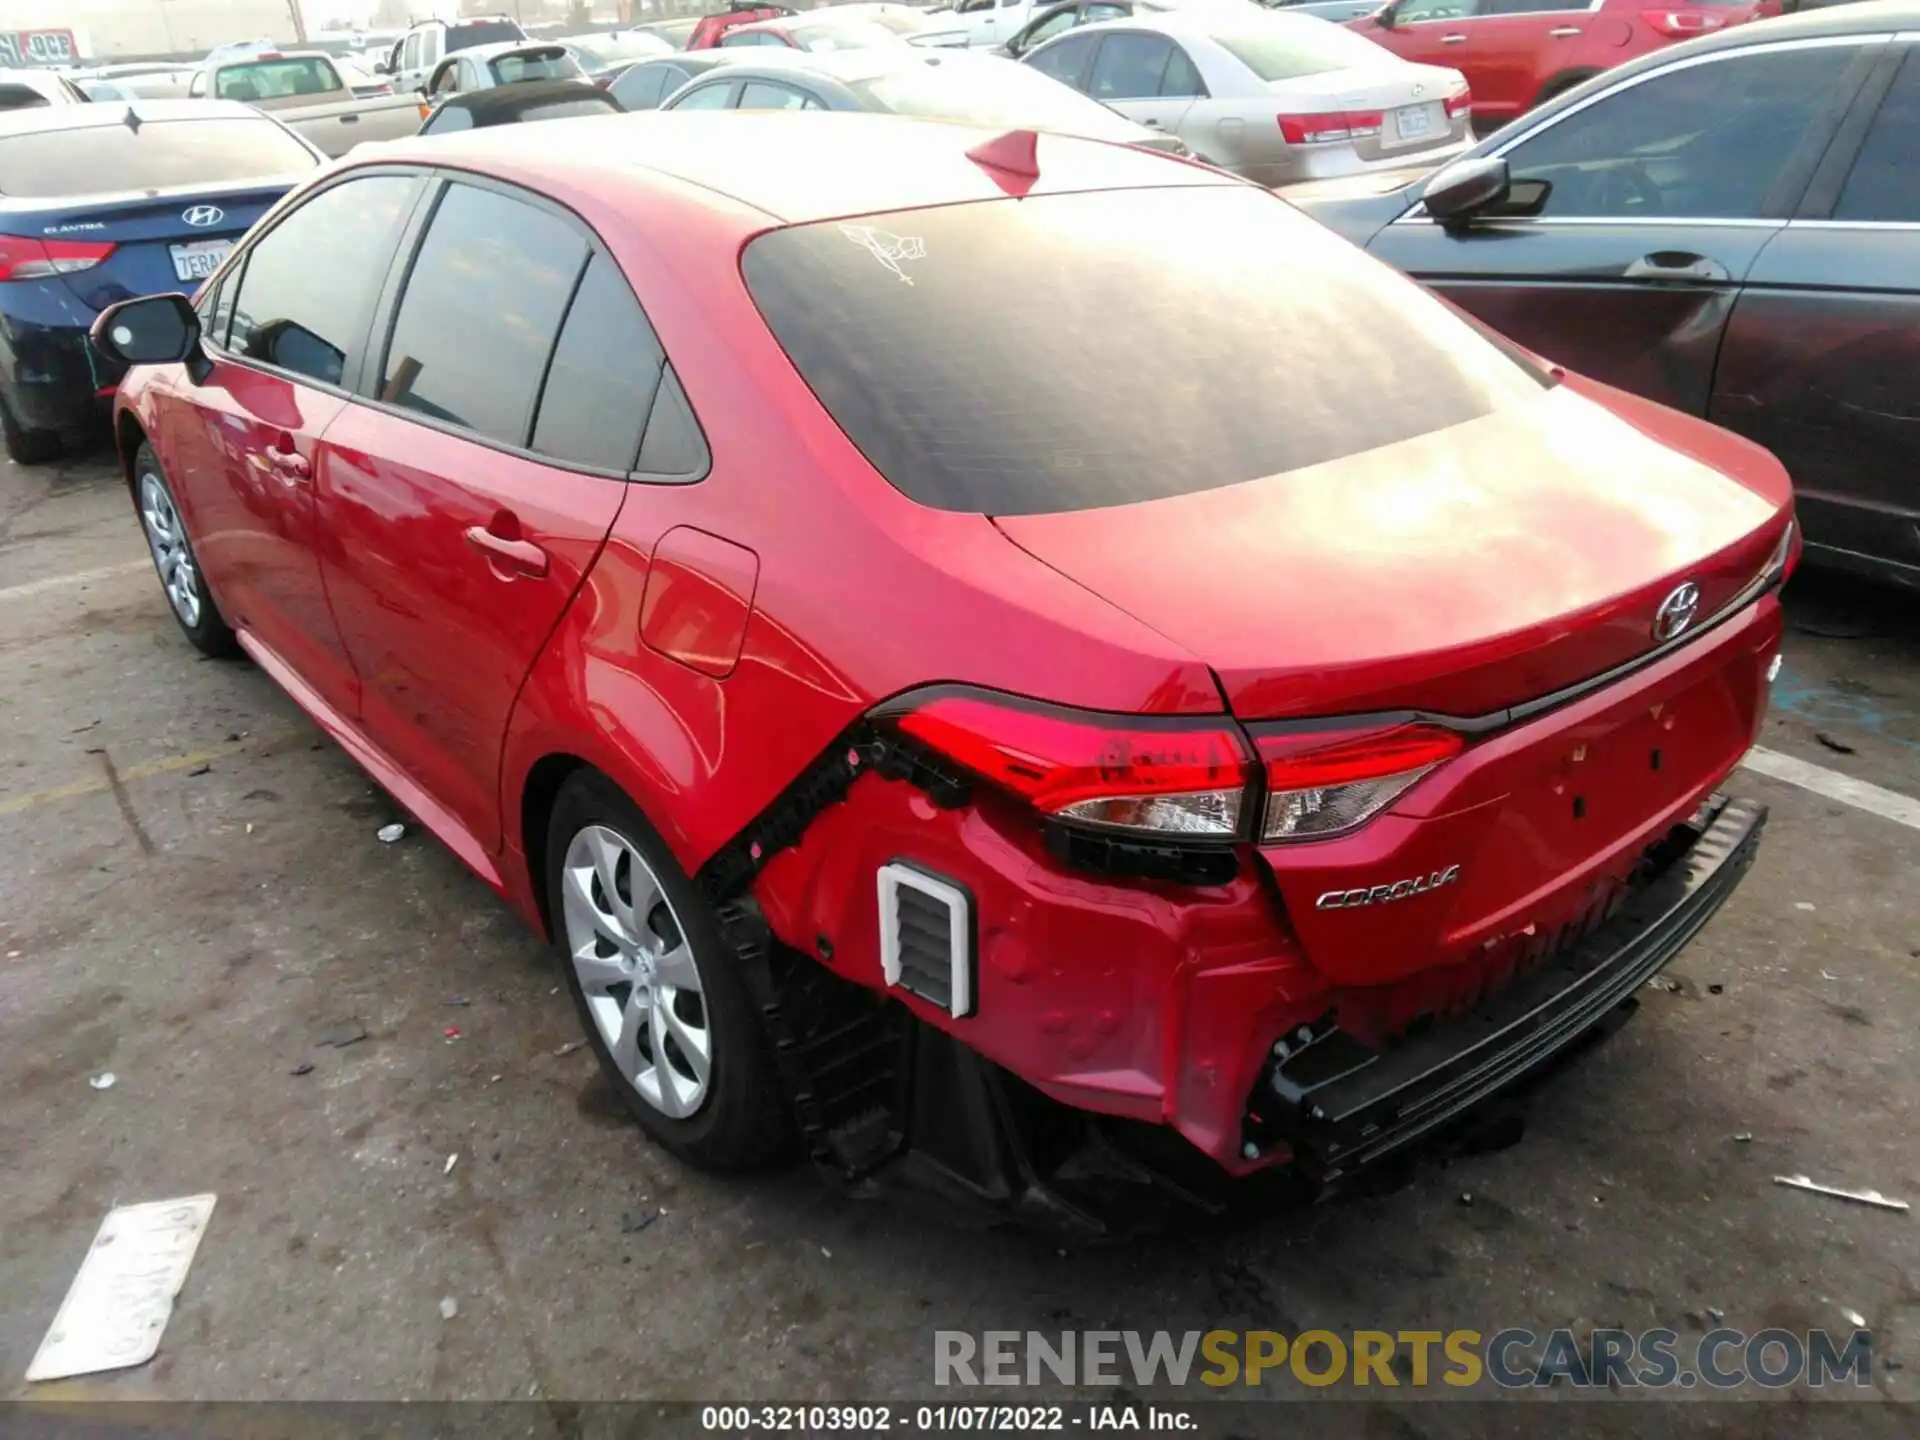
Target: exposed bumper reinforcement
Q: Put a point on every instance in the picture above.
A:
(1342, 1106)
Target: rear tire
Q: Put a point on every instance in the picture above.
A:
(181, 578)
(24, 446)
(662, 1003)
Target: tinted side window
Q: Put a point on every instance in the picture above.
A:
(1526, 7)
(1706, 141)
(448, 117)
(642, 87)
(673, 444)
(1885, 182)
(706, 97)
(1412, 11)
(480, 312)
(758, 95)
(309, 287)
(1129, 67)
(604, 373)
(1065, 59)
(1057, 24)
(1182, 78)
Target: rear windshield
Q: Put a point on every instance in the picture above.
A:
(272, 79)
(1074, 351)
(1290, 46)
(524, 65)
(469, 33)
(997, 94)
(102, 159)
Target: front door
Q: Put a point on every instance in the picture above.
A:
(1427, 32)
(1658, 198)
(462, 535)
(1822, 357)
(291, 318)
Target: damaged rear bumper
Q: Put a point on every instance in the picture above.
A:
(1340, 1106)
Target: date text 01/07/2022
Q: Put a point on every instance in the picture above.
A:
(979, 1419)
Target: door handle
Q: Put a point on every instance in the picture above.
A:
(1563, 31)
(508, 555)
(1679, 265)
(355, 119)
(290, 464)
(1453, 39)
(1151, 123)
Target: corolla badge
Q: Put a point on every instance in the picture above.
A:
(1677, 611)
(1393, 890)
(202, 216)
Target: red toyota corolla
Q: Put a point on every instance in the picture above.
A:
(974, 647)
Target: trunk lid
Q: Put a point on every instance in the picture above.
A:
(1462, 572)
(156, 247)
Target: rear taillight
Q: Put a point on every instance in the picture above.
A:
(1127, 773)
(1331, 125)
(1323, 783)
(1459, 103)
(24, 258)
(1678, 24)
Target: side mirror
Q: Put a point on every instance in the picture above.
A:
(1383, 17)
(380, 67)
(1461, 191)
(148, 330)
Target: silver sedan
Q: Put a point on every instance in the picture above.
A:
(1272, 97)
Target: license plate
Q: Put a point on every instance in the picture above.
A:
(198, 259)
(1413, 121)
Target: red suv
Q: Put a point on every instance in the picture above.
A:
(707, 34)
(920, 735)
(1518, 53)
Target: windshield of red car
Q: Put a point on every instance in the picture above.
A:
(1064, 352)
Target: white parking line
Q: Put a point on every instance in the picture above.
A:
(1888, 804)
(79, 577)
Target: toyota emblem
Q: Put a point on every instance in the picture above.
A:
(1677, 611)
(201, 216)
(1418, 91)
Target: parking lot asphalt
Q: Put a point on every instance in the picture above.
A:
(192, 896)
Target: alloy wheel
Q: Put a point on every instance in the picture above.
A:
(172, 556)
(637, 972)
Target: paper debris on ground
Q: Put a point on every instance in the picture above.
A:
(390, 833)
(1859, 1197)
(449, 1307)
(119, 1304)
(102, 1082)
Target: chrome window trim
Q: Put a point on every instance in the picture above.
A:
(1586, 9)
(1417, 214)
(1853, 224)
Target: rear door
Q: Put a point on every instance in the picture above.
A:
(1660, 193)
(1821, 362)
(1127, 75)
(285, 329)
(1517, 46)
(473, 481)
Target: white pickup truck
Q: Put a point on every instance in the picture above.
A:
(304, 91)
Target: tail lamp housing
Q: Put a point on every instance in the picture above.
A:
(1327, 126)
(1321, 784)
(1176, 780)
(1459, 103)
(1680, 24)
(22, 257)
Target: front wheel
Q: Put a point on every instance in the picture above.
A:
(664, 1008)
(173, 557)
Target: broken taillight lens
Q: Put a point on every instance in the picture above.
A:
(1171, 777)
(1321, 784)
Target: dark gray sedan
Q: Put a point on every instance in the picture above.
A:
(1730, 227)
(941, 84)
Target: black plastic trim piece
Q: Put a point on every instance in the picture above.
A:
(1342, 1106)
